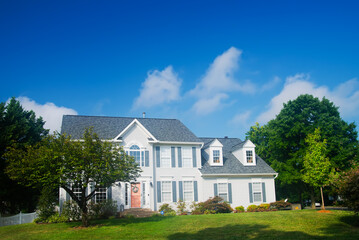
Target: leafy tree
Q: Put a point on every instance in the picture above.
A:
(60, 161)
(283, 146)
(317, 167)
(348, 187)
(20, 127)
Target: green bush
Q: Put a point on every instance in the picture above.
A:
(56, 218)
(102, 210)
(280, 205)
(166, 208)
(181, 207)
(213, 205)
(71, 210)
(129, 216)
(156, 215)
(47, 203)
(170, 214)
(239, 209)
(252, 208)
(264, 207)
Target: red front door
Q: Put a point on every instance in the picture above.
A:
(135, 195)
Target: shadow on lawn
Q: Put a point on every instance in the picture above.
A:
(250, 231)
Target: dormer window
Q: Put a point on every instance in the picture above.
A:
(249, 156)
(216, 156)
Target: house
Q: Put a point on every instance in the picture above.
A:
(176, 164)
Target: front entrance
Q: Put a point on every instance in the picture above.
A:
(135, 195)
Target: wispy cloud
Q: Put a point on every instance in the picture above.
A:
(51, 113)
(218, 81)
(158, 88)
(345, 96)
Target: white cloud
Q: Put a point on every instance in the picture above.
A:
(271, 84)
(159, 87)
(218, 81)
(51, 114)
(345, 96)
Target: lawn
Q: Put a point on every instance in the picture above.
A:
(305, 224)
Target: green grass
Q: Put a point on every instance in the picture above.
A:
(305, 224)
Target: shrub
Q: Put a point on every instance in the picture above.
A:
(181, 207)
(252, 208)
(129, 216)
(156, 215)
(71, 210)
(47, 203)
(103, 209)
(279, 205)
(239, 209)
(170, 214)
(213, 205)
(56, 218)
(207, 211)
(166, 208)
(264, 207)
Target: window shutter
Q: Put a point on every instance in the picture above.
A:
(147, 160)
(158, 160)
(195, 187)
(215, 190)
(264, 192)
(159, 191)
(67, 196)
(173, 157)
(142, 158)
(230, 192)
(180, 190)
(109, 193)
(194, 156)
(174, 192)
(250, 193)
(179, 150)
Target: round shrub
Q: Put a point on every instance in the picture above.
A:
(239, 209)
(252, 208)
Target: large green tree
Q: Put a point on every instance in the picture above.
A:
(21, 127)
(282, 141)
(60, 161)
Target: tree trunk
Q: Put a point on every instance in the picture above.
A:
(321, 193)
(84, 216)
(312, 199)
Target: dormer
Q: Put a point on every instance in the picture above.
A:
(215, 153)
(245, 153)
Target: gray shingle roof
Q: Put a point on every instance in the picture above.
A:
(231, 165)
(110, 127)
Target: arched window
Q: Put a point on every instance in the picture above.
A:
(136, 153)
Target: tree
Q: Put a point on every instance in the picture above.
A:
(317, 167)
(282, 141)
(347, 185)
(59, 161)
(20, 127)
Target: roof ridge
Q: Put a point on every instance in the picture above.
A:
(71, 115)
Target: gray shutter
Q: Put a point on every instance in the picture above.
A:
(159, 191)
(195, 187)
(179, 150)
(230, 192)
(250, 193)
(264, 192)
(109, 193)
(173, 157)
(215, 190)
(142, 158)
(194, 156)
(67, 196)
(147, 160)
(158, 160)
(174, 191)
(180, 190)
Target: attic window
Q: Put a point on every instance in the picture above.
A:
(216, 156)
(249, 156)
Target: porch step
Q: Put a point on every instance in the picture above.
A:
(138, 212)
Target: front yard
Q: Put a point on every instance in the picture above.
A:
(304, 224)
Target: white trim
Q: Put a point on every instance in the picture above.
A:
(178, 143)
(135, 121)
(240, 174)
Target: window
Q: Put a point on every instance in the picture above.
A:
(188, 191)
(166, 157)
(223, 191)
(249, 156)
(257, 192)
(135, 152)
(216, 155)
(100, 194)
(77, 190)
(166, 191)
(187, 157)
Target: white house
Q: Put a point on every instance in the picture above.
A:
(178, 165)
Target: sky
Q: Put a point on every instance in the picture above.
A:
(218, 66)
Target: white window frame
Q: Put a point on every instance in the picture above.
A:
(170, 191)
(220, 162)
(191, 191)
(223, 192)
(256, 191)
(137, 153)
(249, 156)
(77, 191)
(187, 161)
(214, 151)
(165, 152)
(99, 193)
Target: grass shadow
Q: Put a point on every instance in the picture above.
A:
(352, 220)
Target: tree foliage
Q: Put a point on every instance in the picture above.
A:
(22, 128)
(282, 141)
(60, 161)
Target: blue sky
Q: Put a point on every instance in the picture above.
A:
(218, 66)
